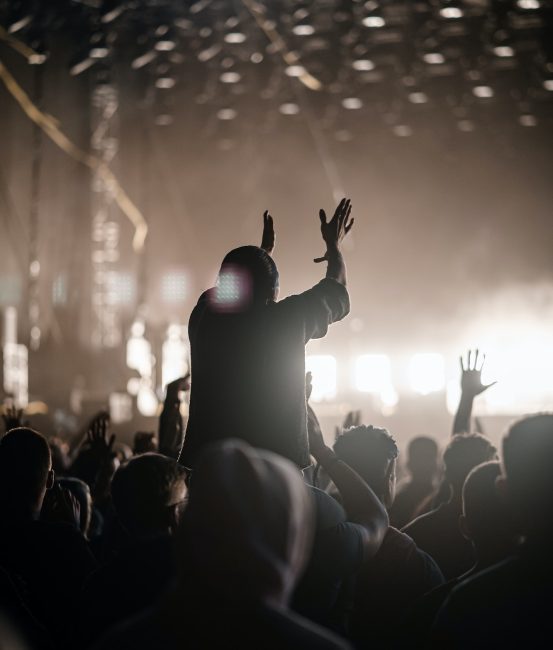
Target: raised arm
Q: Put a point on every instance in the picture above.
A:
(360, 503)
(333, 232)
(171, 430)
(268, 238)
(471, 386)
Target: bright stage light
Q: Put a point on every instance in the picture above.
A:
(427, 373)
(373, 373)
(323, 369)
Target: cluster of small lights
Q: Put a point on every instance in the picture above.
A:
(297, 41)
(122, 288)
(174, 287)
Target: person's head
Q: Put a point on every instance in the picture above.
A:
(248, 276)
(463, 453)
(149, 493)
(422, 459)
(25, 472)
(372, 453)
(247, 530)
(486, 520)
(80, 490)
(528, 473)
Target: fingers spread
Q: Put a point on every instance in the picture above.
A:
(322, 216)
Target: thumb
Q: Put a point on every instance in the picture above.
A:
(320, 259)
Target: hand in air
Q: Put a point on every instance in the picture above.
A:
(471, 374)
(97, 436)
(268, 239)
(336, 229)
(13, 418)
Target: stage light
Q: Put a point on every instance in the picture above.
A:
(289, 109)
(402, 130)
(174, 287)
(528, 4)
(527, 120)
(226, 114)
(256, 57)
(373, 373)
(418, 98)
(230, 77)
(466, 126)
(503, 51)
(133, 386)
(59, 290)
(303, 30)
(139, 351)
(146, 401)
(174, 355)
(323, 369)
(434, 58)
(548, 84)
(143, 59)
(427, 373)
(120, 408)
(235, 38)
(483, 92)
(451, 12)
(121, 288)
(352, 103)
(295, 71)
(363, 65)
(80, 63)
(165, 83)
(373, 21)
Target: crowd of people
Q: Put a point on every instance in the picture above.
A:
(245, 529)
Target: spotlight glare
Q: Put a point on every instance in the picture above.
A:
(374, 21)
(323, 369)
(427, 373)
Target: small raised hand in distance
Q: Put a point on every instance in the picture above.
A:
(268, 238)
(352, 419)
(471, 386)
(98, 439)
(12, 417)
(62, 507)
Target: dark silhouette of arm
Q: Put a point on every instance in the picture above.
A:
(471, 386)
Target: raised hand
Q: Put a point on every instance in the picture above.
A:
(178, 385)
(60, 506)
(13, 418)
(471, 374)
(97, 436)
(336, 229)
(308, 385)
(268, 239)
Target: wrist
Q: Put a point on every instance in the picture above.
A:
(325, 457)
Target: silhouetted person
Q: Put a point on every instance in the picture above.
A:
(422, 465)
(244, 539)
(488, 524)
(248, 351)
(148, 494)
(509, 605)
(51, 558)
(346, 534)
(399, 572)
(437, 532)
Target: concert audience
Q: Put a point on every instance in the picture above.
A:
(222, 540)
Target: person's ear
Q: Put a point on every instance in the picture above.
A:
(50, 479)
(464, 527)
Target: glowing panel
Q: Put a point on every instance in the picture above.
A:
(427, 373)
(323, 369)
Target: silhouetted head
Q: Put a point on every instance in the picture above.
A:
(486, 519)
(80, 490)
(464, 452)
(528, 473)
(248, 277)
(25, 472)
(148, 494)
(422, 459)
(372, 453)
(247, 530)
